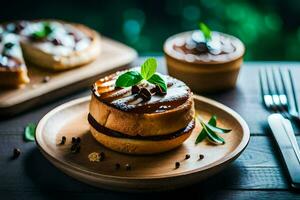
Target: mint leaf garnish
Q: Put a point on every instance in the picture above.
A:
(148, 68)
(30, 132)
(129, 79)
(45, 30)
(210, 131)
(202, 135)
(157, 80)
(206, 31)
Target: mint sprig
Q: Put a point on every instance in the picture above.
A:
(29, 132)
(205, 30)
(210, 131)
(148, 70)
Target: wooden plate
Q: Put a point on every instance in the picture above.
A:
(155, 172)
(114, 56)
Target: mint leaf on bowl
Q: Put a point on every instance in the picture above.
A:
(206, 31)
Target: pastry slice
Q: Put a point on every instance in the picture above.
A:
(58, 45)
(13, 71)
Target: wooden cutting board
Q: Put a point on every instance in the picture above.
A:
(114, 56)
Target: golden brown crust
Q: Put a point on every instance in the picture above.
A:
(143, 124)
(133, 146)
(13, 78)
(42, 59)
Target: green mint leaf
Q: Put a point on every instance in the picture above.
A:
(157, 80)
(129, 79)
(202, 135)
(30, 132)
(206, 31)
(212, 136)
(217, 129)
(43, 32)
(148, 68)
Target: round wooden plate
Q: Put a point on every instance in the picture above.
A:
(155, 172)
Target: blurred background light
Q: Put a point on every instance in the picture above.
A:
(270, 29)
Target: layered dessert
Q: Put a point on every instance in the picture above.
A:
(144, 118)
(51, 44)
(202, 56)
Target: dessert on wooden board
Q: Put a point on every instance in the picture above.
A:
(205, 60)
(140, 111)
(51, 44)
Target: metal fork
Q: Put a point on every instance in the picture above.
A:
(278, 92)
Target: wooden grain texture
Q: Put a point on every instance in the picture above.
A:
(114, 56)
(257, 168)
(201, 194)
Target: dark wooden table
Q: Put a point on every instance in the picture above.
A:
(257, 173)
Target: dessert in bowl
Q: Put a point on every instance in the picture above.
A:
(206, 61)
(140, 111)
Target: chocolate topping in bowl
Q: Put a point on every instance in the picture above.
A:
(221, 48)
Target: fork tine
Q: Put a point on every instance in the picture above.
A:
(264, 89)
(270, 81)
(293, 91)
(276, 86)
(283, 96)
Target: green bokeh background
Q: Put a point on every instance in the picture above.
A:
(270, 29)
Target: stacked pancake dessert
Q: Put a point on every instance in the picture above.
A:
(51, 44)
(140, 111)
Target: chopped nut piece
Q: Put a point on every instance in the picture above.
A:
(94, 157)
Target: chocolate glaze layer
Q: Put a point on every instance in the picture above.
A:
(124, 99)
(188, 48)
(117, 134)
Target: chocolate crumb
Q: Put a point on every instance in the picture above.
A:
(46, 79)
(75, 148)
(118, 166)
(102, 156)
(135, 89)
(187, 156)
(159, 91)
(177, 165)
(16, 153)
(128, 167)
(201, 156)
(145, 94)
(56, 42)
(63, 140)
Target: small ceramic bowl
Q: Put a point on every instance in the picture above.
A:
(204, 69)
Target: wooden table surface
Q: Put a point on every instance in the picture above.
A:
(257, 173)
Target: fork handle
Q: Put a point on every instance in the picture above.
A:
(286, 141)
